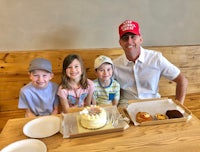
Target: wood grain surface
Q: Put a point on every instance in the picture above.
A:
(173, 137)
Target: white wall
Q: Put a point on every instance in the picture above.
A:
(68, 24)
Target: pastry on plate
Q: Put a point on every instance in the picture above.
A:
(160, 116)
(143, 116)
(174, 114)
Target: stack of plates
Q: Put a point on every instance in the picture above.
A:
(41, 127)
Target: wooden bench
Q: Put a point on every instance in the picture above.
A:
(14, 75)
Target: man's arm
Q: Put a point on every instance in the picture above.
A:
(181, 87)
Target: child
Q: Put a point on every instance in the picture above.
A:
(75, 89)
(107, 90)
(39, 97)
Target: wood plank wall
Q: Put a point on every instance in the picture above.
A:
(14, 67)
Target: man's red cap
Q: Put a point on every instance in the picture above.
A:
(129, 26)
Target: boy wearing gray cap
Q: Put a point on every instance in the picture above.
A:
(107, 90)
(39, 97)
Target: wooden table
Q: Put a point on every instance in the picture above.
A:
(181, 136)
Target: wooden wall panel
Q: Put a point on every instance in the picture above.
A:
(14, 73)
(14, 67)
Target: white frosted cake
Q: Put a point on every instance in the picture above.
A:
(93, 117)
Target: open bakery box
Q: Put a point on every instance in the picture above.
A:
(155, 106)
(71, 127)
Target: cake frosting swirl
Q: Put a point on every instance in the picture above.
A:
(93, 117)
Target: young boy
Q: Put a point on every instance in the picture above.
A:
(39, 97)
(107, 90)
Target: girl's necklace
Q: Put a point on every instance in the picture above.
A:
(75, 87)
(77, 96)
(75, 92)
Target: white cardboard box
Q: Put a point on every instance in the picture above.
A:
(157, 106)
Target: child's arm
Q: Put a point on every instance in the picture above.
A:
(55, 110)
(93, 101)
(115, 102)
(116, 99)
(29, 113)
(64, 104)
(89, 99)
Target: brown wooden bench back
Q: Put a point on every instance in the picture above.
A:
(14, 68)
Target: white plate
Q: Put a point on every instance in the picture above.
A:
(42, 127)
(30, 145)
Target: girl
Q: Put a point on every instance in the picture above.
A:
(75, 89)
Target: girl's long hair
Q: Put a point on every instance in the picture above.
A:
(65, 79)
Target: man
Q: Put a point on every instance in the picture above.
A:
(139, 70)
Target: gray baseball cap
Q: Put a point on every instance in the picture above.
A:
(40, 64)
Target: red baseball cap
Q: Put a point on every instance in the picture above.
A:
(129, 26)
